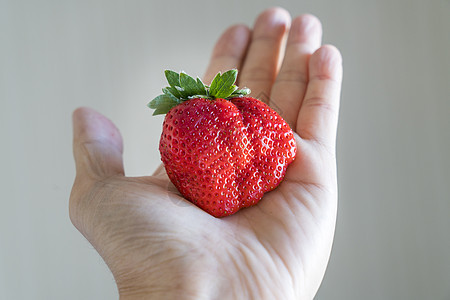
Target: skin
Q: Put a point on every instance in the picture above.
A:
(160, 246)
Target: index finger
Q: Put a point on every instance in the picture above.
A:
(228, 52)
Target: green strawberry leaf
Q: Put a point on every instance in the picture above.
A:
(223, 84)
(201, 87)
(241, 92)
(190, 86)
(183, 87)
(163, 103)
(172, 91)
(173, 78)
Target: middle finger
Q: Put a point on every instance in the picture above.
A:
(262, 62)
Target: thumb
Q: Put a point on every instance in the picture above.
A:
(97, 145)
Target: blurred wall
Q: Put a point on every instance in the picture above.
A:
(392, 237)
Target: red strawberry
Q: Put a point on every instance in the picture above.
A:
(221, 149)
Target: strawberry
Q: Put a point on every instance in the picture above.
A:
(222, 149)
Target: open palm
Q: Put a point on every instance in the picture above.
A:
(158, 245)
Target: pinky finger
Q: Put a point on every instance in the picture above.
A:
(318, 116)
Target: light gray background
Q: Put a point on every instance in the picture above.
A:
(392, 239)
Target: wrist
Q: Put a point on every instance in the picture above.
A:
(204, 280)
(170, 275)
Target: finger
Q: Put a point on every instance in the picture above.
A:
(97, 145)
(229, 51)
(318, 116)
(304, 38)
(263, 58)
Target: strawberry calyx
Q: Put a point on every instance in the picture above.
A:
(183, 87)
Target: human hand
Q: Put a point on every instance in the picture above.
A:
(160, 246)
